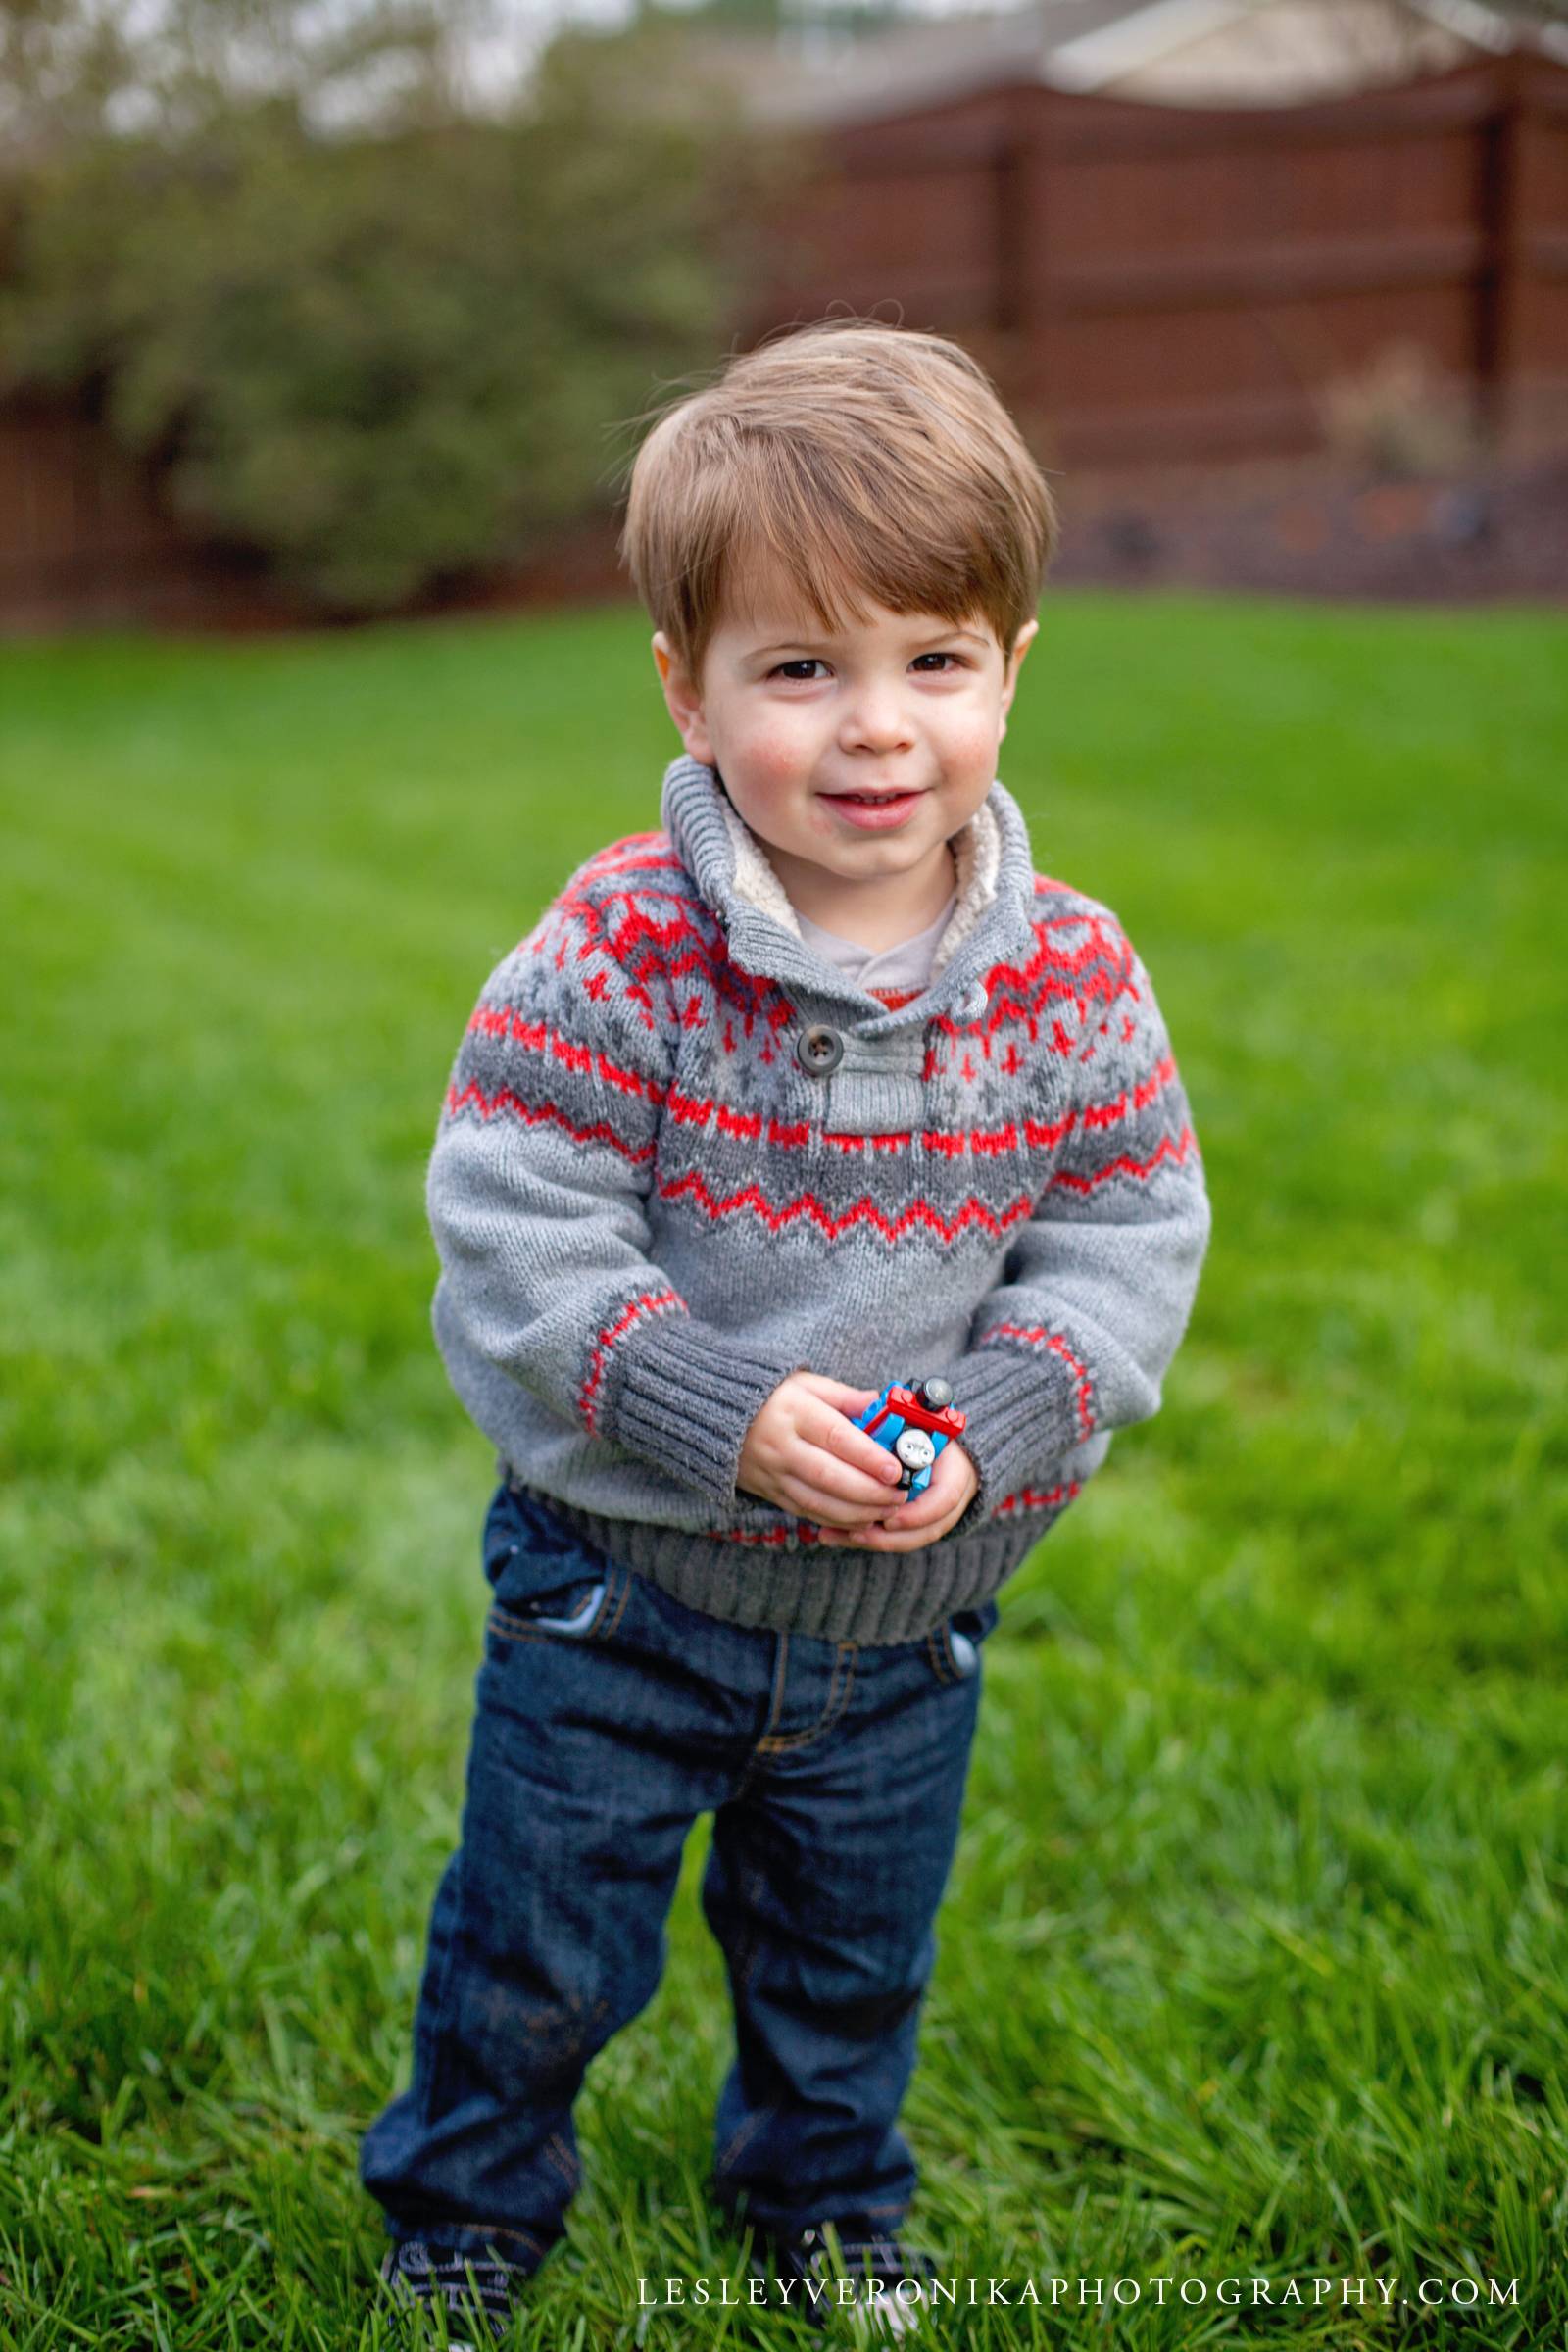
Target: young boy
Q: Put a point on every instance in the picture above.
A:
(817, 1088)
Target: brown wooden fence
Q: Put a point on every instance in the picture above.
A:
(83, 534)
(1148, 284)
(1153, 282)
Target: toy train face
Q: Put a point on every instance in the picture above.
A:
(915, 1450)
(913, 1421)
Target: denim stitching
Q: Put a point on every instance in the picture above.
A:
(598, 1630)
(747, 2131)
(780, 1672)
(504, 1631)
(937, 1666)
(776, 1702)
(837, 1698)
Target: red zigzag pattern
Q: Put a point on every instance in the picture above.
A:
(1172, 1149)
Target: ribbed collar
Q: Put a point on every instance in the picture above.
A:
(764, 939)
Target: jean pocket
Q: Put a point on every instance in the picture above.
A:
(544, 1578)
(574, 1609)
(954, 1645)
(586, 1608)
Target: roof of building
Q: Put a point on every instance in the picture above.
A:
(1169, 51)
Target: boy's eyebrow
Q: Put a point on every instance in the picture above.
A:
(813, 644)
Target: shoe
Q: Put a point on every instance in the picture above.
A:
(818, 2258)
(421, 2276)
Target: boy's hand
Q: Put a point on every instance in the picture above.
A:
(954, 1483)
(804, 1454)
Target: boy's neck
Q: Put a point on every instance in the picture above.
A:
(879, 912)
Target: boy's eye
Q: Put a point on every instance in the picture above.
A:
(791, 669)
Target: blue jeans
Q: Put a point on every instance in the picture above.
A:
(608, 1716)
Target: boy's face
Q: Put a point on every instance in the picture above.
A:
(856, 757)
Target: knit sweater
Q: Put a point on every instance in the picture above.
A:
(682, 1157)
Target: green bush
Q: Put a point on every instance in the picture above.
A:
(387, 360)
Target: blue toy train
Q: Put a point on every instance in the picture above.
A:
(914, 1420)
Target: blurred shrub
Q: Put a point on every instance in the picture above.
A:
(1399, 416)
(390, 359)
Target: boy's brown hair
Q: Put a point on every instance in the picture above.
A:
(859, 460)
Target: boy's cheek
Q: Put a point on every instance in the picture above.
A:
(770, 771)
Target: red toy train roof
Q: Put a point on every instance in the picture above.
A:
(948, 1423)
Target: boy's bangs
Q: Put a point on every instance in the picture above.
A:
(833, 587)
(763, 580)
(790, 553)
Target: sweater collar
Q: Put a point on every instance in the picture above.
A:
(992, 920)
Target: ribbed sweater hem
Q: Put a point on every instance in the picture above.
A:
(837, 1595)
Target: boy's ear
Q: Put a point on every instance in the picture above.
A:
(1020, 646)
(682, 699)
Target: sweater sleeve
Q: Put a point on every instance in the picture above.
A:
(538, 1191)
(1099, 1284)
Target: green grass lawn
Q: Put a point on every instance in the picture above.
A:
(1254, 1962)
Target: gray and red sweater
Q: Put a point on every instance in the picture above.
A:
(682, 1157)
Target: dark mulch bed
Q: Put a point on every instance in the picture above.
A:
(1310, 529)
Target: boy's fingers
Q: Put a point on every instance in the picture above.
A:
(848, 1491)
(807, 1500)
(922, 1509)
(926, 1507)
(902, 1534)
(884, 1538)
(832, 1434)
(941, 1497)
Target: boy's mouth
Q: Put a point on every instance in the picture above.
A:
(874, 809)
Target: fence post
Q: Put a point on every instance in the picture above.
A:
(1020, 308)
(1016, 227)
(1501, 248)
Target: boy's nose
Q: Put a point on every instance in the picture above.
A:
(878, 721)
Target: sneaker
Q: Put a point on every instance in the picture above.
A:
(819, 2257)
(421, 2276)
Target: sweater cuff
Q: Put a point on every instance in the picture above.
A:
(1021, 1418)
(683, 1395)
